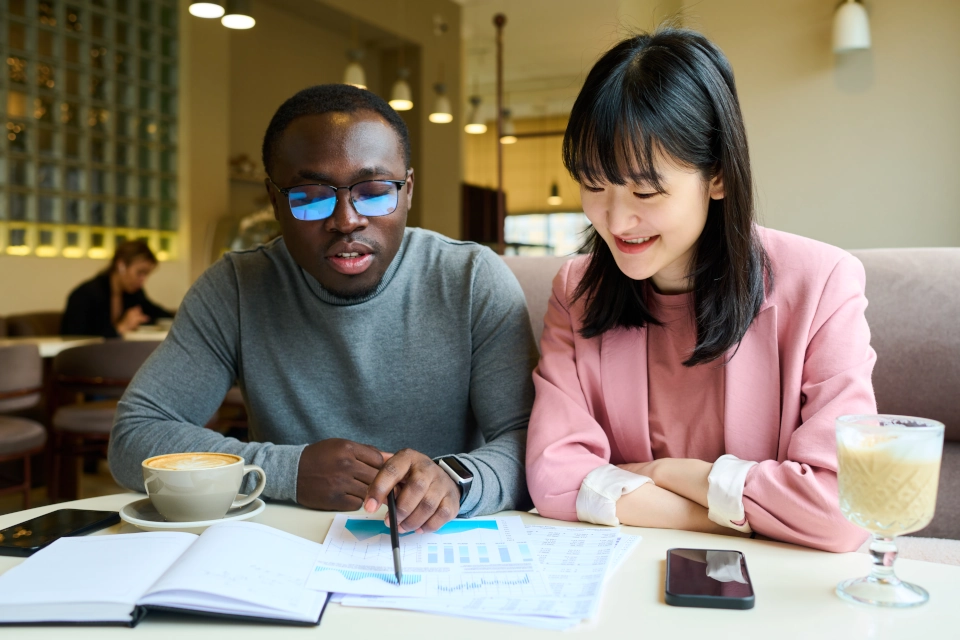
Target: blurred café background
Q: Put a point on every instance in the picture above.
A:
(137, 119)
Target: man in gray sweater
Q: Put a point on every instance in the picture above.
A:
(365, 351)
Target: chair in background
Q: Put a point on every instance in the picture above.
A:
(914, 297)
(21, 379)
(88, 382)
(39, 323)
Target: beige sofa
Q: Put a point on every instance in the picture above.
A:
(914, 317)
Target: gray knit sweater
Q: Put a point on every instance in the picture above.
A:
(437, 359)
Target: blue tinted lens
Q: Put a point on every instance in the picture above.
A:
(375, 198)
(312, 202)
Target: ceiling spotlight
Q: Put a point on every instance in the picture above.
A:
(474, 124)
(238, 15)
(206, 9)
(401, 98)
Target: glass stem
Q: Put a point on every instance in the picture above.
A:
(883, 551)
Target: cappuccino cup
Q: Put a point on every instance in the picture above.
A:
(192, 487)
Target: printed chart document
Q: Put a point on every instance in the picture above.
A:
(234, 569)
(572, 562)
(464, 557)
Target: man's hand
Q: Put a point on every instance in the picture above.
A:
(334, 474)
(428, 497)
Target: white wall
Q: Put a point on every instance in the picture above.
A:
(859, 150)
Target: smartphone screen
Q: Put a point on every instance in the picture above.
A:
(29, 537)
(708, 578)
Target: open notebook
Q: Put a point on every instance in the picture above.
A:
(234, 569)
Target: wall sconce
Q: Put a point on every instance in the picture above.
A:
(851, 27)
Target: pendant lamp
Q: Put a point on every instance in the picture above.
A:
(206, 9)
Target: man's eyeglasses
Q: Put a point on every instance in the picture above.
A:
(371, 198)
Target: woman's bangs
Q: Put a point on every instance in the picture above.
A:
(607, 143)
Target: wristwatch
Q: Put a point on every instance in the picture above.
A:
(459, 473)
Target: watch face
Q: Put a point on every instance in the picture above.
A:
(458, 468)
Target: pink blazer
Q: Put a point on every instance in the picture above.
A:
(805, 360)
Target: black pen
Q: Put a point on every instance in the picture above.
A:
(394, 535)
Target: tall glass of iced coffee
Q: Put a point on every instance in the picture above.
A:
(888, 469)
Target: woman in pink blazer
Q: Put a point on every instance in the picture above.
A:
(693, 363)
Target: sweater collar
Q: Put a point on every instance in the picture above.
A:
(331, 298)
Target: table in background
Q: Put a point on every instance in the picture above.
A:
(794, 587)
(50, 346)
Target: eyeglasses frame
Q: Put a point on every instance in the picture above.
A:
(336, 190)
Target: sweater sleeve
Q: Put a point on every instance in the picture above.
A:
(152, 309)
(796, 500)
(182, 384)
(501, 392)
(565, 443)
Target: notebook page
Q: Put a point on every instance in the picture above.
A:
(240, 561)
(96, 569)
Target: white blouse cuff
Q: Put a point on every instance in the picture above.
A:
(725, 492)
(600, 490)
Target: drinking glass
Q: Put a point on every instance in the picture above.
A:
(888, 469)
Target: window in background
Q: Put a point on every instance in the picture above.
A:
(88, 103)
(545, 234)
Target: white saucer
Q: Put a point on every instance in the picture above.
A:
(143, 515)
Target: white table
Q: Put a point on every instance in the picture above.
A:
(147, 334)
(794, 587)
(50, 346)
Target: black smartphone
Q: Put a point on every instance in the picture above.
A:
(28, 537)
(710, 578)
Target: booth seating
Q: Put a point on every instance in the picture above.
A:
(39, 323)
(914, 317)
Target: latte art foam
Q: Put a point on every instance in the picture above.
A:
(192, 461)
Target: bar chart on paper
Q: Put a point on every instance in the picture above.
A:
(477, 557)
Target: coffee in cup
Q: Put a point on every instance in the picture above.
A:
(193, 487)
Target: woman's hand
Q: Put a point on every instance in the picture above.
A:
(131, 320)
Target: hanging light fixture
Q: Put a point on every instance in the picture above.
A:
(442, 112)
(554, 200)
(851, 27)
(238, 15)
(474, 124)
(354, 73)
(206, 9)
(508, 135)
(401, 98)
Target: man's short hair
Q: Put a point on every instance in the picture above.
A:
(326, 98)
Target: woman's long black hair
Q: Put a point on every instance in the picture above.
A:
(670, 93)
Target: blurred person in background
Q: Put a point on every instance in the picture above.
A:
(114, 302)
